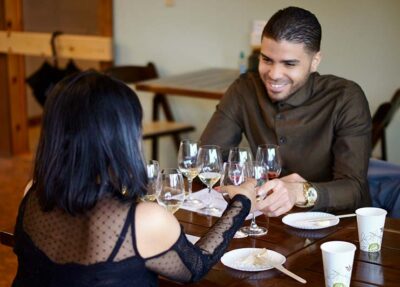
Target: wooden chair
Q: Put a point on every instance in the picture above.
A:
(381, 120)
(7, 238)
(156, 128)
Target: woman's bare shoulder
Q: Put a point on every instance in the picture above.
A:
(156, 229)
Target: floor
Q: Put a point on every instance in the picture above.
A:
(15, 172)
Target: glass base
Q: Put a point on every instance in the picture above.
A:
(190, 201)
(210, 210)
(254, 231)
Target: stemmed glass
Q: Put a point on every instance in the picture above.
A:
(259, 172)
(187, 157)
(170, 189)
(210, 164)
(268, 154)
(153, 169)
(240, 154)
(233, 173)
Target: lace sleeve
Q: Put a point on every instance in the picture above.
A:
(185, 262)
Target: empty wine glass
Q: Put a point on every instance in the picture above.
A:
(210, 166)
(170, 189)
(187, 157)
(240, 154)
(153, 169)
(259, 172)
(268, 154)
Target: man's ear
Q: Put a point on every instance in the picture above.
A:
(315, 61)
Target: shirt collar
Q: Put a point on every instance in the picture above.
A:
(302, 95)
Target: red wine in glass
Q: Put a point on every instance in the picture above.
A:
(273, 174)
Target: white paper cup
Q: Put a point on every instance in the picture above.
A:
(370, 223)
(337, 257)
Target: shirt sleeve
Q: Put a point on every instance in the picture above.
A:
(351, 152)
(185, 262)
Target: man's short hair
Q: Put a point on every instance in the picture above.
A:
(296, 25)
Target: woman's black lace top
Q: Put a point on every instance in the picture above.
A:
(99, 248)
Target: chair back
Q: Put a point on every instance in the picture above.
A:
(384, 186)
(132, 74)
(381, 120)
(7, 238)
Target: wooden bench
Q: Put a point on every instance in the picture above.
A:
(154, 130)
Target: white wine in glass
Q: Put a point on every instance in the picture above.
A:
(170, 189)
(209, 161)
(209, 178)
(187, 158)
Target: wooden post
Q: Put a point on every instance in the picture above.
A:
(13, 107)
(105, 25)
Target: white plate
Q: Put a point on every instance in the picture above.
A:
(297, 220)
(234, 258)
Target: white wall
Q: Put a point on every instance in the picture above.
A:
(360, 42)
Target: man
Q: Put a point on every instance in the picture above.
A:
(321, 122)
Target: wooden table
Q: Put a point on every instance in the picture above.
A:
(208, 83)
(302, 250)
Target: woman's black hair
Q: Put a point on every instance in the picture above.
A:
(90, 144)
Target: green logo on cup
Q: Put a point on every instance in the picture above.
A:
(373, 247)
(338, 285)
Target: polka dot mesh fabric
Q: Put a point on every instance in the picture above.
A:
(91, 238)
(185, 262)
(84, 239)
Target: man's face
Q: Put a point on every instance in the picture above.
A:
(285, 67)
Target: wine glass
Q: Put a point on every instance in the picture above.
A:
(187, 157)
(210, 164)
(259, 172)
(233, 173)
(153, 169)
(268, 154)
(240, 154)
(170, 189)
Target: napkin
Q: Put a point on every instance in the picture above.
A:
(193, 239)
(217, 201)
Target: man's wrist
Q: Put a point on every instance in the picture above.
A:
(309, 197)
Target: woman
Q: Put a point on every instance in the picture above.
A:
(80, 224)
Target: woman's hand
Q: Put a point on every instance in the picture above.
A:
(247, 189)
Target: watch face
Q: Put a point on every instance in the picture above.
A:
(311, 195)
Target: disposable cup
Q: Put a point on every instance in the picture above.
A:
(370, 223)
(337, 258)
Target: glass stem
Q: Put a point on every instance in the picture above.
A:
(209, 197)
(253, 224)
(189, 188)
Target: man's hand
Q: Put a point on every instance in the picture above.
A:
(282, 193)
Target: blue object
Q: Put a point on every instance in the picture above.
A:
(384, 186)
(242, 63)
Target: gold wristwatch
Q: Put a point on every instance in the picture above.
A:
(310, 194)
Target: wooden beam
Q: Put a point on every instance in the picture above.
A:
(105, 25)
(13, 116)
(67, 45)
